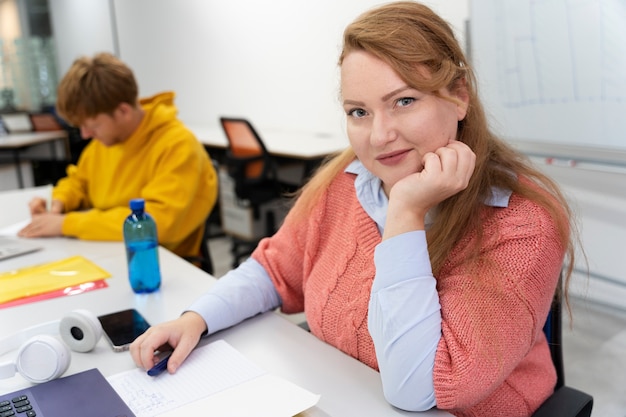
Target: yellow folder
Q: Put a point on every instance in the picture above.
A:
(51, 276)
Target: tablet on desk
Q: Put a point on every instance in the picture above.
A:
(11, 247)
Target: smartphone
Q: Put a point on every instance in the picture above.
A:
(122, 327)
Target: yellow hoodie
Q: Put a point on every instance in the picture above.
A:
(161, 162)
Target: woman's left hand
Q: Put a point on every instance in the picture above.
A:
(445, 172)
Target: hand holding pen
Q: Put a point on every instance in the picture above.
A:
(160, 366)
(181, 334)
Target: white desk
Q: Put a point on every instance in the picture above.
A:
(17, 142)
(347, 386)
(284, 143)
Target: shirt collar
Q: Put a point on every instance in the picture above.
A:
(370, 194)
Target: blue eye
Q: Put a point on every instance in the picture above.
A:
(357, 113)
(405, 101)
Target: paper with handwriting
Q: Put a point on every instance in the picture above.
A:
(209, 371)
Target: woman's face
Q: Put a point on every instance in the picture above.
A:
(391, 125)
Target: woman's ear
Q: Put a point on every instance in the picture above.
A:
(459, 91)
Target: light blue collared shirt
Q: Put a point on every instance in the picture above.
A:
(404, 317)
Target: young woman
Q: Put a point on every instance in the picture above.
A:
(429, 250)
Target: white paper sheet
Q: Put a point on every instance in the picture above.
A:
(13, 229)
(217, 380)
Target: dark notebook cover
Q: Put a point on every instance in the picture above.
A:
(83, 394)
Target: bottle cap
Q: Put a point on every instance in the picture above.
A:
(137, 204)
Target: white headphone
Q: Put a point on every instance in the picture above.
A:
(41, 357)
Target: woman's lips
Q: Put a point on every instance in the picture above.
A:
(393, 158)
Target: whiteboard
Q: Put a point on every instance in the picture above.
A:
(553, 71)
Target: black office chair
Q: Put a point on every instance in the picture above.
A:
(565, 401)
(203, 259)
(255, 174)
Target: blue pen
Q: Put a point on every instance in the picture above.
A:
(160, 366)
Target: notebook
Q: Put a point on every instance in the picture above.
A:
(10, 247)
(83, 394)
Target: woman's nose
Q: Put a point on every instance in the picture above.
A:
(383, 130)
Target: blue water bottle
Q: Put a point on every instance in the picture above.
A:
(140, 238)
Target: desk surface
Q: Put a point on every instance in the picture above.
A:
(347, 386)
(20, 140)
(290, 144)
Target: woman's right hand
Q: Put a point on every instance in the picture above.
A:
(182, 334)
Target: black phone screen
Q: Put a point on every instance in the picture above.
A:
(122, 327)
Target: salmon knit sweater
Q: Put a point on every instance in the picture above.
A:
(492, 358)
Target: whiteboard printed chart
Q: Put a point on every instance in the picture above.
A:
(553, 70)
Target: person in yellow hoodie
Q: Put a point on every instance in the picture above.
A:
(140, 150)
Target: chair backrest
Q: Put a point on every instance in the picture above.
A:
(203, 259)
(206, 263)
(553, 330)
(246, 144)
(565, 401)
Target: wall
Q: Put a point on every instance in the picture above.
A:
(10, 29)
(80, 28)
(274, 62)
(598, 198)
(9, 20)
